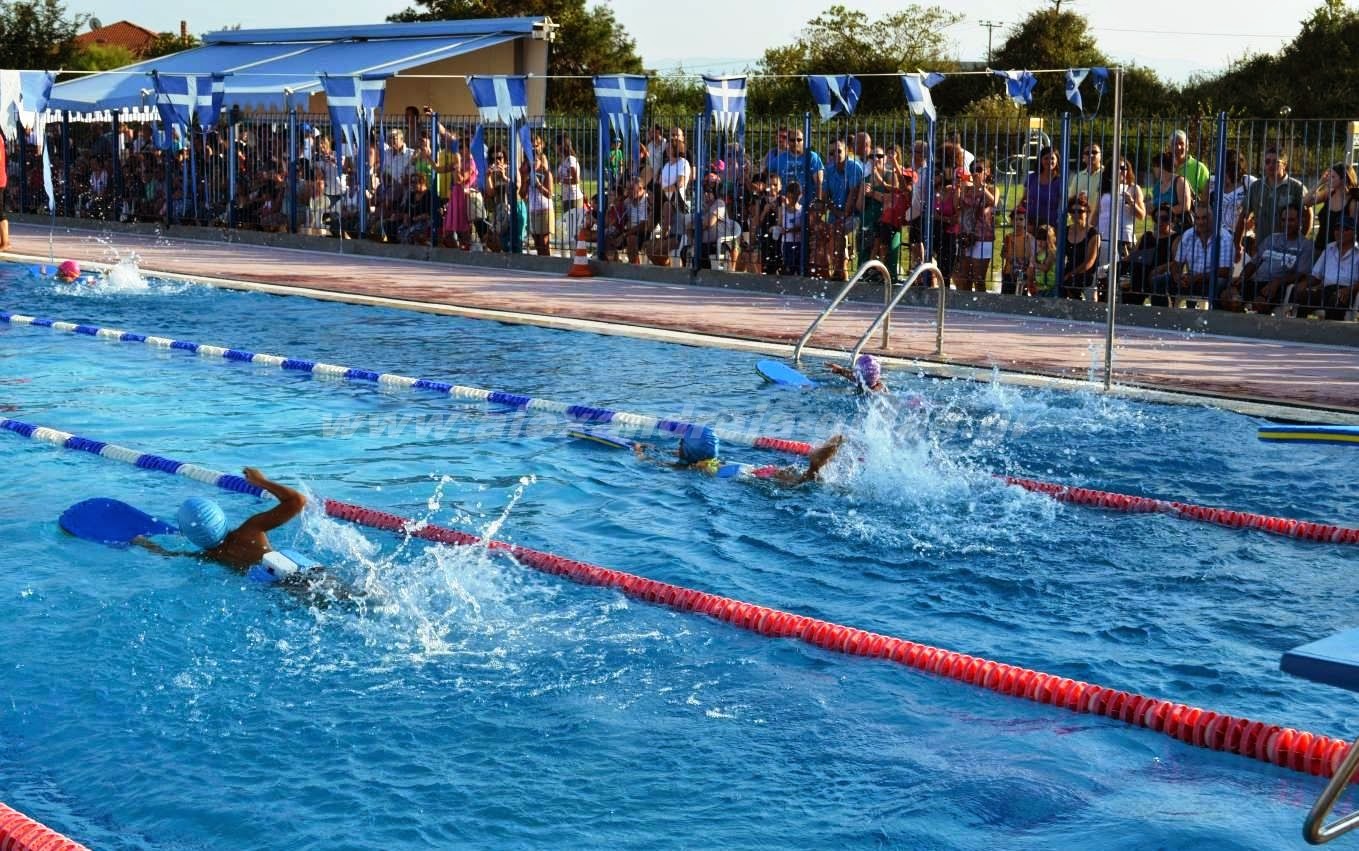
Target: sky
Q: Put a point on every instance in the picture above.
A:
(718, 36)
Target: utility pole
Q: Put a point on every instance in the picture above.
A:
(990, 25)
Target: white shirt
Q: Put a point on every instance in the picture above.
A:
(1334, 269)
(570, 191)
(1232, 202)
(396, 164)
(672, 171)
(1127, 217)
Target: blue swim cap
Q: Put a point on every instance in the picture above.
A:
(698, 447)
(203, 522)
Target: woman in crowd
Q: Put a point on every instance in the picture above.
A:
(1043, 190)
(977, 226)
(1170, 189)
(1335, 196)
(537, 194)
(1132, 209)
(1235, 183)
(1081, 251)
(568, 175)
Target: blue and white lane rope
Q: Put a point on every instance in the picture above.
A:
(578, 413)
(146, 461)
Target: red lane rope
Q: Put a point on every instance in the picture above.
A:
(1281, 746)
(18, 832)
(1304, 529)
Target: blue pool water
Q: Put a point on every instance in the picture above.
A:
(157, 703)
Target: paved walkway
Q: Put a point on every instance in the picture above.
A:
(1261, 370)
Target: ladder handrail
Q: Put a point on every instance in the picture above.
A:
(1314, 828)
(864, 269)
(923, 268)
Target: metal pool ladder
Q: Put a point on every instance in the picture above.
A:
(884, 318)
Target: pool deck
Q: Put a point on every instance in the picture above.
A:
(1255, 370)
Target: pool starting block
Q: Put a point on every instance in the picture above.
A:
(1334, 661)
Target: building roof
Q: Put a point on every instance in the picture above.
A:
(262, 67)
(121, 34)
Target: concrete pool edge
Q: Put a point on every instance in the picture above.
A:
(934, 369)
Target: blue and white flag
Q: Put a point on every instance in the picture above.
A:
(23, 99)
(622, 100)
(1018, 85)
(180, 98)
(500, 99)
(835, 94)
(209, 106)
(350, 99)
(526, 143)
(478, 152)
(1099, 77)
(917, 88)
(726, 102)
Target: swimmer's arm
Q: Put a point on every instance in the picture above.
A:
(839, 370)
(148, 544)
(290, 504)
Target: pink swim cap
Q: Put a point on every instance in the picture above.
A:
(69, 269)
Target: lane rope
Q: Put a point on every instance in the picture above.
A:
(18, 832)
(1281, 746)
(1286, 527)
(576, 413)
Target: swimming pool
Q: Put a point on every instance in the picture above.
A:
(165, 704)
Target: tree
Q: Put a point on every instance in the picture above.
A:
(37, 34)
(846, 41)
(166, 43)
(589, 41)
(1314, 76)
(101, 57)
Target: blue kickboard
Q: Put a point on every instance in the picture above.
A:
(110, 521)
(1336, 434)
(599, 438)
(1333, 660)
(782, 374)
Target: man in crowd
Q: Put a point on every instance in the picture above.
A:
(1280, 260)
(1267, 196)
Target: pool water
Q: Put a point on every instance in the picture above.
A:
(160, 703)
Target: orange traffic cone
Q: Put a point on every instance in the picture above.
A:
(580, 264)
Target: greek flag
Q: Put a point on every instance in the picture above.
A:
(180, 98)
(917, 88)
(209, 105)
(349, 99)
(726, 102)
(622, 99)
(834, 94)
(1018, 85)
(500, 99)
(23, 99)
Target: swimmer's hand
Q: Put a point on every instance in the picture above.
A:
(639, 449)
(254, 476)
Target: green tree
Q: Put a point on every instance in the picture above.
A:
(37, 34)
(1316, 75)
(589, 41)
(846, 41)
(166, 43)
(101, 57)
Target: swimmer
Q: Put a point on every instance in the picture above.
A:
(700, 452)
(247, 548)
(68, 272)
(867, 374)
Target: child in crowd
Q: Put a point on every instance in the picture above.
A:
(1016, 254)
(1043, 270)
(790, 227)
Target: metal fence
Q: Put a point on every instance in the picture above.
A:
(634, 200)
